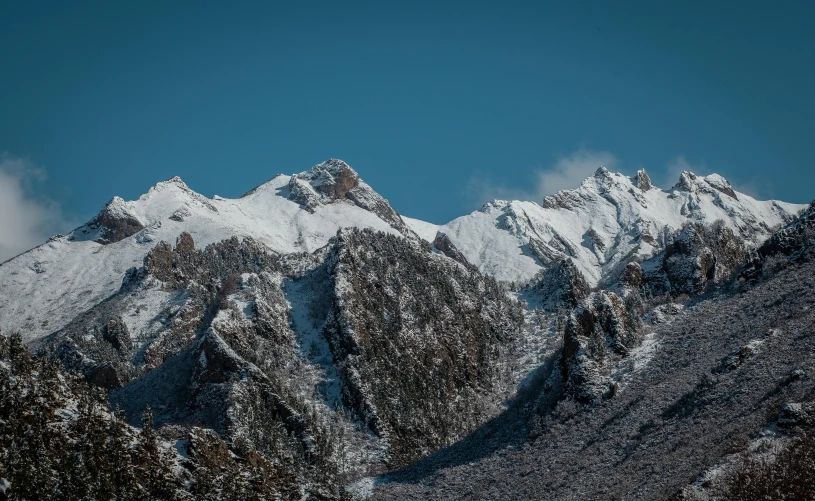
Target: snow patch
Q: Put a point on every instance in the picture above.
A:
(426, 231)
(363, 488)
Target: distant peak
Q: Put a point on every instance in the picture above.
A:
(601, 172)
(173, 181)
(642, 180)
(335, 165)
(335, 180)
(116, 201)
(721, 184)
(687, 181)
(332, 178)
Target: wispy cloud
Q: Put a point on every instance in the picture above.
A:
(566, 172)
(26, 220)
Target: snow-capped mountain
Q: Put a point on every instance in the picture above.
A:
(308, 327)
(609, 220)
(42, 289)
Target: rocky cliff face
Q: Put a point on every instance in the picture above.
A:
(334, 180)
(561, 285)
(422, 340)
(700, 257)
(600, 331)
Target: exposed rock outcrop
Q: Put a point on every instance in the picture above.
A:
(335, 180)
(559, 286)
(114, 222)
(700, 256)
(442, 243)
(116, 333)
(596, 332)
(642, 180)
(632, 276)
(103, 375)
(790, 243)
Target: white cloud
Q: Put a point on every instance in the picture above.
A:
(567, 172)
(26, 220)
(570, 170)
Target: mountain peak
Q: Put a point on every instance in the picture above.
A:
(335, 165)
(690, 182)
(601, 172)
(687, 181)
(173, 181)
(642, 180)
(719, 183)
(324, 183)
(116, 221)
(335, 180)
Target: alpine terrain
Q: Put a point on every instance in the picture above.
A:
(306, 341)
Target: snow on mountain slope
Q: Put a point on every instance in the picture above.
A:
(606, 222)
(426, 231)
(44, 288)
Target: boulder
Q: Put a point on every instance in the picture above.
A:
(104, 375)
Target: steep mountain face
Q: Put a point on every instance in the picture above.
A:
(290, 355)
(695, 259)
(309, 330)
(598, 333)
(713, 402)
(423, 341)
(609, 221)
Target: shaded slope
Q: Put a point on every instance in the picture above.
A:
(671, 420)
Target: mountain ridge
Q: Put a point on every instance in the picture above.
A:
(511, 240)
(308, 324)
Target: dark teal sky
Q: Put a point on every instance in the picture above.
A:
(436, 107)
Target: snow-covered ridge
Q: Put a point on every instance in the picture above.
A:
(608, 220)
(42, 289)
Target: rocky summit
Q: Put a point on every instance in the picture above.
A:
(307, 341)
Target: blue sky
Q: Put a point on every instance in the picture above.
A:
(439, 108)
